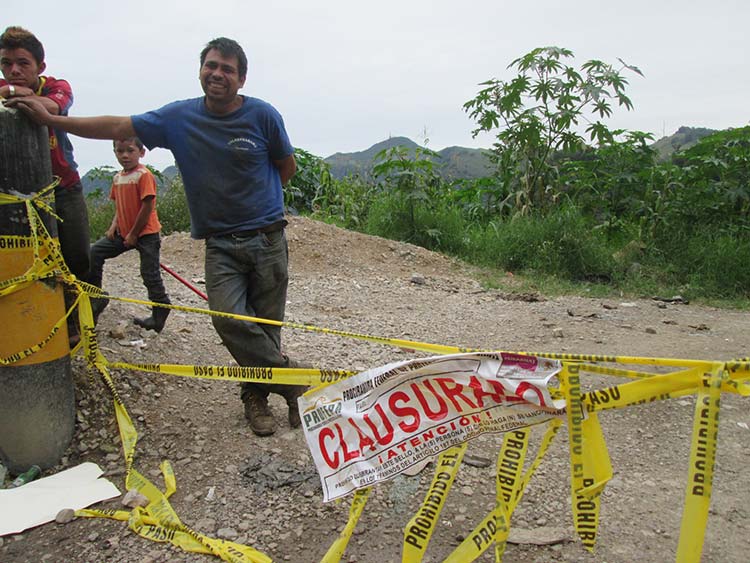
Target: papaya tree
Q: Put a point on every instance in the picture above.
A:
(548, 107)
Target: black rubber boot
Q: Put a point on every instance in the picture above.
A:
(155, 321)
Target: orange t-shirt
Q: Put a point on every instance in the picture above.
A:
(129, 189)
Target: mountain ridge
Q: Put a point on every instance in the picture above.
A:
(455, 162)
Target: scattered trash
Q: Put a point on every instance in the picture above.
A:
(211, 494)
(743, 425)
(139, 343)
(41, 500)
(674, 299)
(29, 475)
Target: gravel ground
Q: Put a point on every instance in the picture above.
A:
(228, 479)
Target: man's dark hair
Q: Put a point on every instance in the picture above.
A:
(15, 37)
(227, 48)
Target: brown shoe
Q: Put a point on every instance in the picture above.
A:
(259, 415)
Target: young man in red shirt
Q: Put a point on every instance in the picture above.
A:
(22, 64)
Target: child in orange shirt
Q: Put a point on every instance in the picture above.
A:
(135, 225)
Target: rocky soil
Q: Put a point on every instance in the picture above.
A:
(264, 492)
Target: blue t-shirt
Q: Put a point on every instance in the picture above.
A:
(226, 161)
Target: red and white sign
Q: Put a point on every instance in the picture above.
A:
(383, 421)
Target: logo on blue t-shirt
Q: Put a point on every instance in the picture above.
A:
(242, 144)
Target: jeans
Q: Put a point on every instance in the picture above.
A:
(147, 246)
(73, 235)
(247, 275)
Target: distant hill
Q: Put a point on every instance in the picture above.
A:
(454, 162)
(683, 138)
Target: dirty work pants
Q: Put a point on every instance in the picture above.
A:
(246, 274)
(73, 234)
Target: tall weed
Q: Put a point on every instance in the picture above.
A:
(562, 243)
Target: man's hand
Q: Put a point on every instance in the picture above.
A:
(31, 106)
(110, 234)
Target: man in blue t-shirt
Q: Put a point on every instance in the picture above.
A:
(234, 155)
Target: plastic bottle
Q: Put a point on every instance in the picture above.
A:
(29, 475)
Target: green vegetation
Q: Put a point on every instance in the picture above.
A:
(569, 205)
(171, 204)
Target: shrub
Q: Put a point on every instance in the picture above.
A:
(171, 205)
(101, 209)
(561, 243)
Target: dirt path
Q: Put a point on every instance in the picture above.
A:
(227, 477)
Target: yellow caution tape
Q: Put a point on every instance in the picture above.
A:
(158, 521)
(336, 551)
(495, 527)
(700, 474)
(590, 464)
(508, 483)
(286, 376)
(419, 529)
(585, 510)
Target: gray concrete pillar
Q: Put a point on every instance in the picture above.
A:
(37, 401)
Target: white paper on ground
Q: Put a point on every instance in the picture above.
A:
(39, 502)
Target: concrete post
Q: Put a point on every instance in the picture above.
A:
(37, 401)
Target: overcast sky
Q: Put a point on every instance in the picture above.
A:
(348, 74)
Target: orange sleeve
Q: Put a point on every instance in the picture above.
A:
(146, 185)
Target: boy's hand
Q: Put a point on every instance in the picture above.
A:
(111, 232)
(131, 240)
(31, 106)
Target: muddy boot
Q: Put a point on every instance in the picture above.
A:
(155, 321)
(259, 415)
